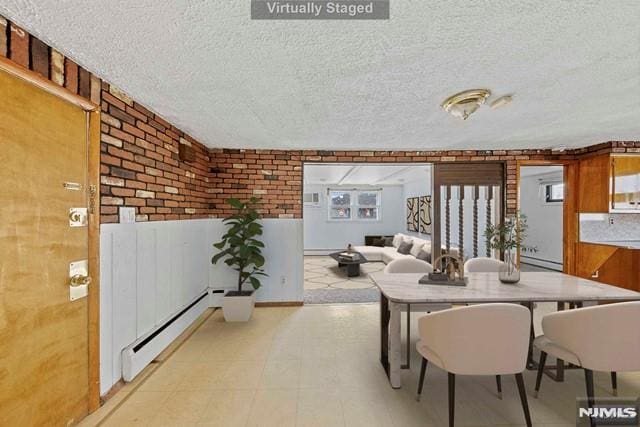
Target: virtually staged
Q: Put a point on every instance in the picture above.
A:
(319, 213)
